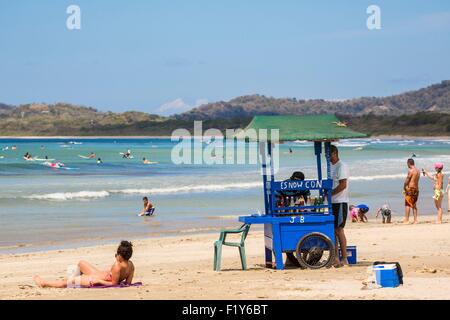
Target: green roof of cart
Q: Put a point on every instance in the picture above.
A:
(310, 128)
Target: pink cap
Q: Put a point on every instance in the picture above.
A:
(439, 165)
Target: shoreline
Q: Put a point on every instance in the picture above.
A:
(394, 136)
(185, 262)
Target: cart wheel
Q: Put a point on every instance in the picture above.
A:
(315, 251)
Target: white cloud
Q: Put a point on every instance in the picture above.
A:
(200, 102)
(179, 105)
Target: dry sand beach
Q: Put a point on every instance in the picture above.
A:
(181, 268)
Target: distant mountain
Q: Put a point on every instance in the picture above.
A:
(435, 98)
(5, 108)
(65, 119)
(421, 112)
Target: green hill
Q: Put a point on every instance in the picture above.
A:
(421, 112)
(435, 98)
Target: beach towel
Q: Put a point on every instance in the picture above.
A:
(120, 285)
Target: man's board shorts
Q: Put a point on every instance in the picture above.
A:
(411, 197)
(340, 214)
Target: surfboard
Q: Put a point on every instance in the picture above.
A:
(151, 162)
(41, 159)
(84, 157)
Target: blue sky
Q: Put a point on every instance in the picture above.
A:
(166, 56)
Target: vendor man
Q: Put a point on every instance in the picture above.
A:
(340, 175)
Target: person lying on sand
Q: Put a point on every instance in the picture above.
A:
(90, 276)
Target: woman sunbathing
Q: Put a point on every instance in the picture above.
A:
(90, 276)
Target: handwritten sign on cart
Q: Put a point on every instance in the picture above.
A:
(302, 185)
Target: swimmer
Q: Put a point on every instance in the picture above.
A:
(27, 156)
(91, 155)
(99, 161)
(438, 196)
(127, 154)
(90, 276)
(145, 161)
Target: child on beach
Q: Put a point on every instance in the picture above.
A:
(90, 276)
(358, 213)
(148, 208)
(386, 213)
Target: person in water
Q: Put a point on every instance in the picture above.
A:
(122, 270)
(411, 190)
(145, 161)
(99, 161)
(92, 155)
(148, 206)
(27, 156)
(127, 154)
(438, 179)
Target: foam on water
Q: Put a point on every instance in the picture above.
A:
(61, 196)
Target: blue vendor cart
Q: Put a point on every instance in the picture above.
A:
(304, 230)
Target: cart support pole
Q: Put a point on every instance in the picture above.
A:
(262, 151)
(328, 157)
(318, 153)
(267, 232)
(272, 176)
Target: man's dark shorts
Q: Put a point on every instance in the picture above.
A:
(340, 211)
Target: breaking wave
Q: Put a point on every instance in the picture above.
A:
(61, 196)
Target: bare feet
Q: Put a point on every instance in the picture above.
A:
(405, 221)
(415, 222)
(337, 263)
(39, 281)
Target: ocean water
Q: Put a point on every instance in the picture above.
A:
(89, 203)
